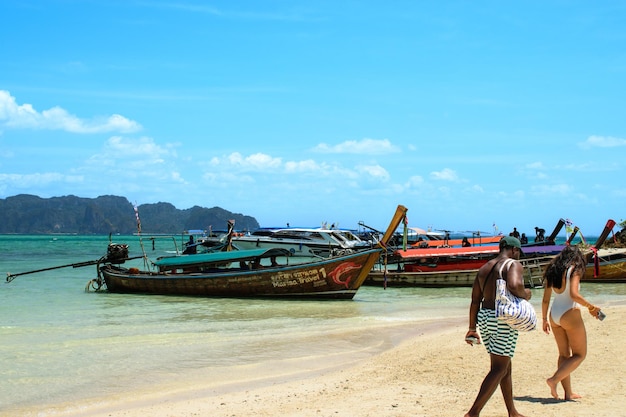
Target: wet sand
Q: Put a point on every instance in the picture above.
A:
(434, 373)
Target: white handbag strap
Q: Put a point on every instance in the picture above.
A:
(506, 263)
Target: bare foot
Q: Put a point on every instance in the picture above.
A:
(573, 396)
(552, 386)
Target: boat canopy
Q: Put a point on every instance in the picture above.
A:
(542, 250)
(436, 252)
(474, 250)
(427, 233)
(217, 257)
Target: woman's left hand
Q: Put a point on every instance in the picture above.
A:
(593, 310)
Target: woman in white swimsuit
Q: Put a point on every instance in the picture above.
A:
(562, 277)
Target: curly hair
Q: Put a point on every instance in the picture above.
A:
(569, 256)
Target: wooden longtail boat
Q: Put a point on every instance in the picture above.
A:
(429, 239)
(457, 267)
(533, 273)
(443, 267)
(605, 265)
(443, 242)
(228, 274)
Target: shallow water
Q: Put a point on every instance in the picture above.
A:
(61, 345)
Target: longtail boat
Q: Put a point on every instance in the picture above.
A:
(605, 265)
(238, 273)
(457, 267)
(429, 239)
(452, 266)
(448, 275)
(440, 240)
(241, 273)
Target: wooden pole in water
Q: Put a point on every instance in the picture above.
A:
(11, 277)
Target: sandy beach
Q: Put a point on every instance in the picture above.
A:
(433, 373)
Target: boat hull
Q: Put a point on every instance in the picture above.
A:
(533, 274)
(334, 278)
(611, 266)
(460, 278)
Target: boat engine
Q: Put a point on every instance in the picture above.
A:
(117, 253)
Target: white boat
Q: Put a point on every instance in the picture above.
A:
(308, 242)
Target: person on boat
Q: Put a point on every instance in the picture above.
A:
(540, 234)
(523, 240)
(562, 277)
(498, 337)
(515, 233)
(256, 264)
(465, 243)
(190, 247)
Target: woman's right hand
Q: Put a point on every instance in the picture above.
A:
(546, 327)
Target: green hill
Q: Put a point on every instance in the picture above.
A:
(29, 214)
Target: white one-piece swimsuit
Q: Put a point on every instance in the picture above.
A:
(563, 302)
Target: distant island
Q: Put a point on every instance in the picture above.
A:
(30, 214)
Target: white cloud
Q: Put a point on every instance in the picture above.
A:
(553, 189)
(25, 116)
(375, 171)
(446, 174)
(38, 179)
(535, 165)
(135, 158)
(535, 170)
(257, 161)
(602, 142)
(363, 146)
(225, 179)
(117, 146)
(270, 169)
(415, 180)
(308, 165)
(177, 177)
(263, 161)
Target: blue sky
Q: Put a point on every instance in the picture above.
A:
(469, 113)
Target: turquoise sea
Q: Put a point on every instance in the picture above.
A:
(61, 347)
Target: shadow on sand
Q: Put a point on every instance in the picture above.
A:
(539, 400)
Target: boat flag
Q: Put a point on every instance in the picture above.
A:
(568, 228)
(143, 250)
(137, 217)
